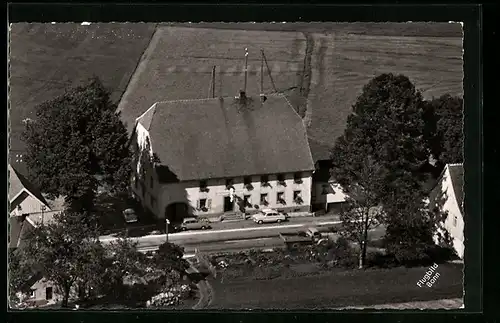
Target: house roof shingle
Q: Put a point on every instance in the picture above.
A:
(18, 231)
(457, 180)
(17, 182)
(319, 150)
(220, 137)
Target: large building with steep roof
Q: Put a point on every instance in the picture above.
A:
(220, 156)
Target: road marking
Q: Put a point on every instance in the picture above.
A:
(249, 240)
(181, 234)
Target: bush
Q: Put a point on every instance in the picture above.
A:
(381, 260)
(441, 254)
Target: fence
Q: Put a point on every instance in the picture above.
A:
(204, 260)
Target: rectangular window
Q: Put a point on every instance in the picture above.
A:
(263, 199)
(455, 221)
(247, 201)
(32, 293)
(203, 204)
(281, 179)
(203, 186)
(280, 198)
(48, 293)
(297, 178)
(297, 197)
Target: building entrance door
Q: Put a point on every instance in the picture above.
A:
(228, 205)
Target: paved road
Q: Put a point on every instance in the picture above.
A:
(238, 236)
(264, 242)
(232, 231)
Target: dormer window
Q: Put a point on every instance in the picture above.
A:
(297, 178)
(281, 179)
(247, 181)
(203, 186)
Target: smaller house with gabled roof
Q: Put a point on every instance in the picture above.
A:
(448, 197)
(220, 156)
(26, 200)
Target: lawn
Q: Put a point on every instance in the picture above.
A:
(338, 289)
(46, 58)
(340, 66)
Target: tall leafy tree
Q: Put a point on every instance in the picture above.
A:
(67, 252)
(386, 126)
(76, 143)
(18, 273)
(444, 119)
(362, 210)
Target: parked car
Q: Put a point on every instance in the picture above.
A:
(130, 216)
(309, 236)
(193, 224)
(269, 216)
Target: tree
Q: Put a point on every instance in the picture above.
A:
(78, 143)
(362, 210)
(170, 257)
(386, 129)
(444, 119)
(18, 272)
(67, 252)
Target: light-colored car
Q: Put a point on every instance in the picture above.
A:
(268, 216)
(193, 224)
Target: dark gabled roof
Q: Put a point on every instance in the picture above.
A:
(319, 150)
(221, 137)
(457, 180)
(17, 182)
(18, 231)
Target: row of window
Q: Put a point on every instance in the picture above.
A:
(264, 180)
(247, 200)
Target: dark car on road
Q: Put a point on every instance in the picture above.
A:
(193, 224)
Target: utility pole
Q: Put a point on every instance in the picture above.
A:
(213, 82)
(246, 72)
(262, 73)
(167, 222)
(43, 209)
(268, 70)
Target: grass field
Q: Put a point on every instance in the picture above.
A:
(326, 62)
(339, 289)
(341, 64)
(178, 65)
(46, 58)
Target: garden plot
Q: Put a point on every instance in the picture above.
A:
(178, 63)
(47, 58)
(341, 64)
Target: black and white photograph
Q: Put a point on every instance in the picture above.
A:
(235, 166)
